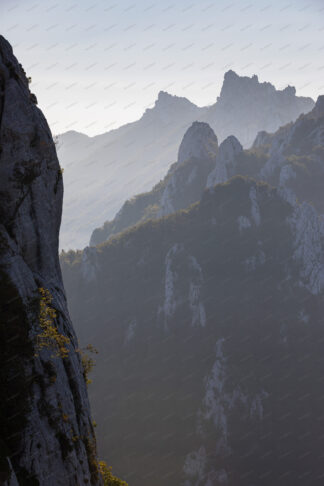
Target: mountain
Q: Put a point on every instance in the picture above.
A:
(246, 106)
(291, 159)
(183, 184)
(109, 168)
(47, 434)
(112, 167)
(209, 326)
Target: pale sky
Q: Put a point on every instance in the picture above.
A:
(98, 64)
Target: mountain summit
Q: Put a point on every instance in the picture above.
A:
(171, 109)
(245, 104)
(199, 142)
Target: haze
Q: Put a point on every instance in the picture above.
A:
(97, 65)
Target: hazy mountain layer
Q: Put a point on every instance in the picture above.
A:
(102, 172)
(292, 159)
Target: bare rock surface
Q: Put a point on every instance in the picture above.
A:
(46, 430)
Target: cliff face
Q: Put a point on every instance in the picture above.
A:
(46, 430)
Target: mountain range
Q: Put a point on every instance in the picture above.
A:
(101, 172)
(204, 298)
(290, 159)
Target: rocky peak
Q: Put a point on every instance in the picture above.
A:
(166, 100)
(235, 85)
(229, 148)
(246, 106)
(226, 163)
(168, 108)
(289, 90)
(46, 430)
(244, 88)
(199, 142)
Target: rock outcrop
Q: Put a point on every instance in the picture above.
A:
(47, 435)
(199, 142)
(226, 161)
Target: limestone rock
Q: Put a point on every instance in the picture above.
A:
(46, 430)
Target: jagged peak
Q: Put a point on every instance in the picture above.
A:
(164, 95)
(166, 99)
(230, 147)
(234, 84)
(199, 141)
(233, 76)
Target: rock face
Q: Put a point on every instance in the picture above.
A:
(209, 325)
(46, 430)
(225, 166)
(199, 142)
(117, 165)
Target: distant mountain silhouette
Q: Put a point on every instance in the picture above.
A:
(103, 171)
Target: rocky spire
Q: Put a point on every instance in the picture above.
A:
(46, 430)
(199, 142)
(226, 161)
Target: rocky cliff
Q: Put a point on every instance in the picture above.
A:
(46, 430)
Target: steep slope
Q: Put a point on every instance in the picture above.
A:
(291, 159)
(210, 331)
(110, 168)
(46, 430)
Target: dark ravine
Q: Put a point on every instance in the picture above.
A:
(47, 434)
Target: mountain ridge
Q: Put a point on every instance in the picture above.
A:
(291, 158)
(119, 164)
